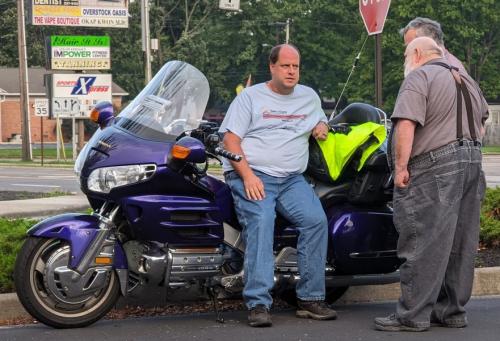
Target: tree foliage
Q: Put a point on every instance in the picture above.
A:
(229, 46)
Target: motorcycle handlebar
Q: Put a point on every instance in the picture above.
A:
(227, 154)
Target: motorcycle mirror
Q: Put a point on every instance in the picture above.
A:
(102, 114)
(188, 149)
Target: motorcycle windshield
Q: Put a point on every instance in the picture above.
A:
(174, 101)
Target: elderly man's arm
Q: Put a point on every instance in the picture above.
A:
(403, 139)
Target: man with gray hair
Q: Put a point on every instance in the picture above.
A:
(424, 27)
(438, 187)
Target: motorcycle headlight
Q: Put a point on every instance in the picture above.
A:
(105, 179)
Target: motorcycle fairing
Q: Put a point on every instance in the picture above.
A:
(174, 219)
(79, 230)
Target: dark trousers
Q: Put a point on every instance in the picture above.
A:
(437, 217)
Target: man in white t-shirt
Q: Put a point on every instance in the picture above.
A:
(270, 124)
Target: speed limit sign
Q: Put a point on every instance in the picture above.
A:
(41, 107)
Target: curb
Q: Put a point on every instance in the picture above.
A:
(486, 283)
(31, 208)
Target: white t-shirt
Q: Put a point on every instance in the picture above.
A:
(274, 128)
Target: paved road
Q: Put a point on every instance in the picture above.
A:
(355, 323)
(491, 167)
(46, 179)
(38, 179)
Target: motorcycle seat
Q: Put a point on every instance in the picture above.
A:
(357, 113)
(329, 194)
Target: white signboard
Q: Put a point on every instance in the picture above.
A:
(93, 13)
(230, 5)
(74, 95)
(41, 107)
(80, 53)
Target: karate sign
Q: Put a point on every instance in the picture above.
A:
(374, 13)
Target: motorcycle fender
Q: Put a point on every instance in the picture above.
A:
(79, 230)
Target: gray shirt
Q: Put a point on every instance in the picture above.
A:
(274, 129)
(428, 96)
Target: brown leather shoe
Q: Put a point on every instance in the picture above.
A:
(316, 310)
(259, 316)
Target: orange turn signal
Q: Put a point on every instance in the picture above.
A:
(103, 260)
(180, 152)
(94, 115)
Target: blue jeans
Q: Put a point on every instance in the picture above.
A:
(437, 217)
(293, 198)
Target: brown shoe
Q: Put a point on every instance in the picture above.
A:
(259, 316)
(316, 310)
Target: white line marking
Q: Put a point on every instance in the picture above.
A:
(31, 185)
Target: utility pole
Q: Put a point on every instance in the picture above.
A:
(378, 70)
(146, 39)
(287, 31)
(23, 84)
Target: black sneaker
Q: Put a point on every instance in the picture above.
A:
(392, 324)
(259, 316)
(316, 310)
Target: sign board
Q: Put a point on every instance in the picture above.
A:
(74, 95)
(230, 5)
(90, 13)
(80, 53)
(374, 13)
(41, 107)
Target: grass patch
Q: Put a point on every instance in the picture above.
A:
(49, 153)
(21, 195)
(491, 149)
(12, 234)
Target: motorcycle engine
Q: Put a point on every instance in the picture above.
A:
(174, 267)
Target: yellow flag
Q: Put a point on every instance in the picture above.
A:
(239, 89)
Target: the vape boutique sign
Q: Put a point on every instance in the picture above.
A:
(91, 13)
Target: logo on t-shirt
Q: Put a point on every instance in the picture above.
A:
(281, 115)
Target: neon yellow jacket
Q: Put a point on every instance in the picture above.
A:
(338, 148)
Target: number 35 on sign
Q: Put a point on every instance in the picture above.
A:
(41, 107)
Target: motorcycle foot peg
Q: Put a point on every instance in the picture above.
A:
(218, 314)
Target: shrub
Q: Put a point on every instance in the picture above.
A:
(490, 218)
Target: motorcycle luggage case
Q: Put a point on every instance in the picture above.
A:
(369, 185)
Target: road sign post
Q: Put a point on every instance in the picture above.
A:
(374, 13)
(41, 109)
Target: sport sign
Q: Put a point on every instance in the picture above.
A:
(74, 95)
(374, 13)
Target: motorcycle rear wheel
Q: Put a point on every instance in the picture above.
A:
(32, 275)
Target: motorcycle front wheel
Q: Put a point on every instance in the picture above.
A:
(42, 294)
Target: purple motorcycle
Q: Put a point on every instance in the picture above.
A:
(159, 218)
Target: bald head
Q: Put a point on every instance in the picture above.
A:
(426, 46)
(419, 51)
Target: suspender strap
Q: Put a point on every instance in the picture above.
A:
(468, 107)
(461, 90)
(460, 134)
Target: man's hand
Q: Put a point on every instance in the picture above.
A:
(254, 188)
(320, 131)
(402, 178)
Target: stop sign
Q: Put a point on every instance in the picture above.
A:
(374, 13)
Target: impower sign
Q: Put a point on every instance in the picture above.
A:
(80, 53)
